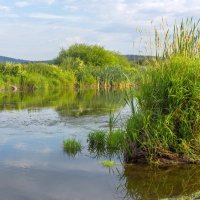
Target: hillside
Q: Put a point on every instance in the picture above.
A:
(4, 59)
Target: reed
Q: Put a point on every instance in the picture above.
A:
(166, 127)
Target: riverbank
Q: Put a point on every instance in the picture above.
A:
(164, 126)
(37, 76)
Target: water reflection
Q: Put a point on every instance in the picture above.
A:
(66, 103)
(139, 182)
(34, 166)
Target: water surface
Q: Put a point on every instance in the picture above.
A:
(33, 165)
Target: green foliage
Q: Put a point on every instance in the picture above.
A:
(72, 147)
(97, 142)
(81, 65)
(167, 122)
(93, 65)
(35, 76)
(186, 38)
(91, 55)
(183, 40)
(169, 108)
(116, 142)
(102, 143)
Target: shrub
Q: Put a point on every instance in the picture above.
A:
(91, 55)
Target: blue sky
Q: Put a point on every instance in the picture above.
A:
(38, 29)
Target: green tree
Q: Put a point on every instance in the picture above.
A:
(91, 55)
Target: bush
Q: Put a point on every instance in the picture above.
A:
(91, 55)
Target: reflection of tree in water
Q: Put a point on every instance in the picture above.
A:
(93, 103)
(139, 182)
(66, 103)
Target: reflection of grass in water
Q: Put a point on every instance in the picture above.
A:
(40, 99)
(96, 143)
(72, 147)
(66, 103)
(143, 182)
(194, 196)
(106, 144)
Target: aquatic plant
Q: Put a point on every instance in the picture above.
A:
(97, 143)
(115, 142)
(108, 144)
(72, 147)
(108, 163)
(112, 121)
(185, 39)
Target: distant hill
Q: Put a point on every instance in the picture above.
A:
(137, 57)
(4, 59)
(13, 60)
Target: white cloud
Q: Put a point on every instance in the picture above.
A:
(71, 7)
(50, 1)
(4, 9)
(22, 4)
(46, 16)
(111, 23)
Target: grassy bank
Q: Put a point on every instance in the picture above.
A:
(165, 123)
(34, 76)
(79, 66)
(165, 127)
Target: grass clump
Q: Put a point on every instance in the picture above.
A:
(166, 126)
(102, 143)
(72, 147)
(97, 143)
(108, 163)
(115, 142)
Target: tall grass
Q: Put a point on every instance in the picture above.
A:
(167, 124)
(34, 76)
(186, 38)
(181, 39)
